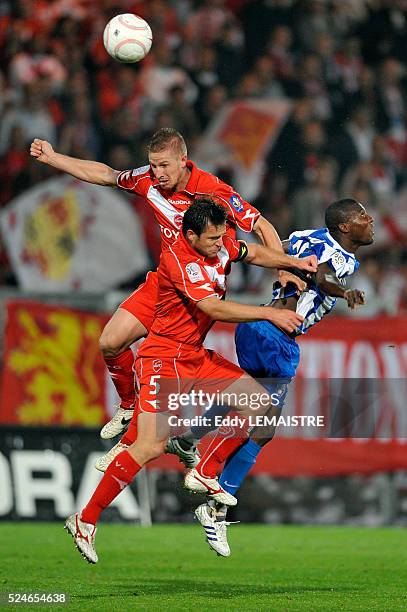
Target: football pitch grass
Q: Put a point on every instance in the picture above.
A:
(170, 567)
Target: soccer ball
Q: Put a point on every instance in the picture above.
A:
(127, 38)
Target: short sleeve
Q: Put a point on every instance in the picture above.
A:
(240, 212)
(189, 277)
(237, 249)
(340, 264)
(137, 181)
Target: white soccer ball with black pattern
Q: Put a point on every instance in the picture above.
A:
(127, 38)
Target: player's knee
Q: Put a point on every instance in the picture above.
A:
(147, 450)
(109, 343)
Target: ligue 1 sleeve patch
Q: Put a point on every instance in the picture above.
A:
(236, 202)
(194, 272)
(338, 260)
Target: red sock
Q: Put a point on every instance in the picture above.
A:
(123, 377)
(118, 475)
(217, 452)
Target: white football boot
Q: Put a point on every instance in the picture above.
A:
(104, 461)
(190, 458)
(200, 484)
(215, 531)
(117, 424)
(84, 537)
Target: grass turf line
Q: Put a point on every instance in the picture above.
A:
(170, 566)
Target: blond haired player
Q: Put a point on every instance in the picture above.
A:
(169, 183)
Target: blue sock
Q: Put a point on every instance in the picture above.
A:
(238, 466)
(200, 431)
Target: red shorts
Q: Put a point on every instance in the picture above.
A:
(141, 303)
(198, 369)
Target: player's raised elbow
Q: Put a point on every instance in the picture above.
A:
(252, 253)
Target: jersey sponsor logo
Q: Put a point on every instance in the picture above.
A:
(177, 201)
(171, 234)
(141, 170)
(338, 259)
(194, 272)
(157, 365)
(236, 203)
(178, 220)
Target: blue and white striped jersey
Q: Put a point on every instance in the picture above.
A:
(313, 304)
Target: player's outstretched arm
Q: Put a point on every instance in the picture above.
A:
(259, 255)
(234, 312)
(83, 169)
(329, 284)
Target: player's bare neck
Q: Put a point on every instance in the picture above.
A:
(183, 182)
(346, 243)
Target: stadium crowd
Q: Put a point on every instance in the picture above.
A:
(342, 63)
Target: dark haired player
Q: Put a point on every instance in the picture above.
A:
(169, 184)
(264, 351)
(191, 287)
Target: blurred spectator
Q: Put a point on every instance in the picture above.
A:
(355, 141)
(349, 64)
(205, 74)
(31, 116)
(310, 202)
(392, 107)
(310, 84)
(260, 82)
(184, 117)
(230, 58)
(212, 102)
(342, 63)
(160, 76)
(280, 52)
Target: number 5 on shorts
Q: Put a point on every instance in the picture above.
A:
(154, 385)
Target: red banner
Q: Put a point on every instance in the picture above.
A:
(53, 374)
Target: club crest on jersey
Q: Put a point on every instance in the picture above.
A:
(157, 365)
(178, 221)
(236, 203)
(194, 272)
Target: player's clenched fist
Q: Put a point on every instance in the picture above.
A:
(41, 149)
(308, 264)
(287, 320)
(354, 296)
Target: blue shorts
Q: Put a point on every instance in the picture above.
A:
(264, 351)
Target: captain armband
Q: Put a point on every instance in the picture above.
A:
(243, 251)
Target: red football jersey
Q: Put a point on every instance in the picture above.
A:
(169, 208)
(185, 278)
